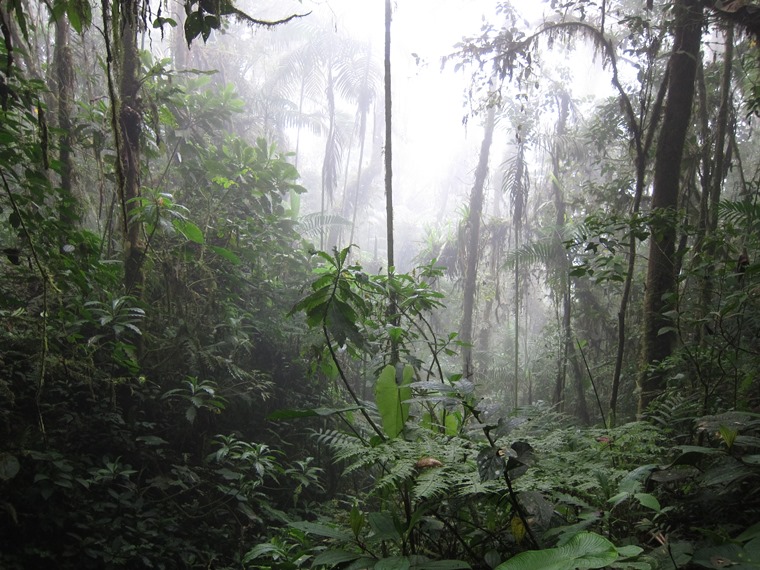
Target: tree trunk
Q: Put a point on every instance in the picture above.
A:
(388, 137)
(71, 208)
(642, 142)
(661, 278)
(719, 171)
(392, 307)
(363, 136)
(473, 240)
(562, 265)
(128, 128)
(330, 161)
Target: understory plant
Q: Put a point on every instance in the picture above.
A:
(432, 477)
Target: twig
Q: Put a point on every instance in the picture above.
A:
(593, 384)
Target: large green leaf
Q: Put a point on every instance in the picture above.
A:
(393, 563)
(584, 550)
(388, 396)
(332, 558)
(439, 564)
(189, 230)
(323, 530)
(226, 254)
(383, 527)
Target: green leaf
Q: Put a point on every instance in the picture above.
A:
(332, 558)
(692, 455)
(189, 230)
(226, 254)
(357, 520)
(193, 26)
(648, 501)
(453, 423)
(152, 440)
(491, 464)
(341, 321)
(322, 530)
(584, 550)
(161, 22)
(442, 565)
(388, 402)
(383, 527)
(629, 551)
(9, 466)
(393, 563)
(751, 533)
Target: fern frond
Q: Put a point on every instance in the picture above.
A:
(398, 472)
(310, 225)
(432, 484)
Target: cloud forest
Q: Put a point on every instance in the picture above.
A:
(388, 285)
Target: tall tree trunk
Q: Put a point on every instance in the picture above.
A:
(519, 192)
(392, 306)
(473, 240)
(719, 171)
(388, 137)
(357, 192)
(330, 161)
(661, 278)
(71, 207)
(130, 129)
(561, 262)
(516, 363)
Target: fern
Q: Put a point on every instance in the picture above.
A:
(432, 484)
(312, 224)
(396, 473)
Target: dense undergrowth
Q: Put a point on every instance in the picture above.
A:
(172, 462)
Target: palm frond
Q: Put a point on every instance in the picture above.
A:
(742, 213)
(531, 253)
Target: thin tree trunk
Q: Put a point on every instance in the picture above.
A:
(580, 393)
(516, 368)
(642, 146)
(363, 135)
(473, 240)
(719, 172)
(388, 138)
(329, 163)
(560, 255)
(392, 306)
(659, 341)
